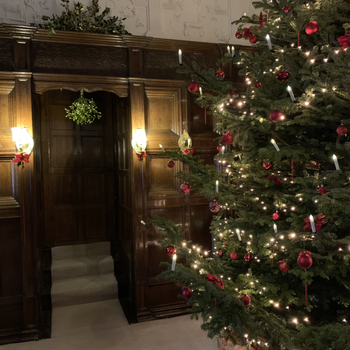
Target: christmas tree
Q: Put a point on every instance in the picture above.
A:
(278, 273)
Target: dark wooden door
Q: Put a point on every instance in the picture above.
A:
(78, 172)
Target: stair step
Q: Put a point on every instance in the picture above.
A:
(83, 290)
(81, 266)
(81, 250)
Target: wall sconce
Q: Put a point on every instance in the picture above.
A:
(139, 143)
(24, 142)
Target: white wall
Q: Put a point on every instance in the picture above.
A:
(196, 20)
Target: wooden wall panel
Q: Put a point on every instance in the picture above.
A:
(5, 178)
(201, 217)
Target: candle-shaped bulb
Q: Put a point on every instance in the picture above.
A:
(267, 37)
(228, 49)
(312, 223)
(189, 143)
(336, 162)
(275, 228)
(233, 51)
(238, 232)
(291, 93)
(275, 144)
(217, 186)
(200, 91)
(162, 148)
(143, 223)
(180, 57)
(173, 263)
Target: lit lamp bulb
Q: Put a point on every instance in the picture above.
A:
(24, 142)
(139, 142)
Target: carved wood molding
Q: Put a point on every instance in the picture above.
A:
(45, 82)
(9, 208)
(17, 31)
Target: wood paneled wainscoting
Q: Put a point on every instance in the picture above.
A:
(84, 183)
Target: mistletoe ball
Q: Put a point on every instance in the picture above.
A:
(170, 250)
(187, 293)
(171, 164)
(214, 206)
(312, 28)
(342, 130)
(248, 257)
(304, 260)
(276, 116)
(322, 190)
(193, 87)
(227, 138)
(234, 256)
(276, 216)
(220, 74)
(245, 298)
(185, 187)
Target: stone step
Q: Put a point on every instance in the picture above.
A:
(81, 266)
(88, 289)
(81, 250)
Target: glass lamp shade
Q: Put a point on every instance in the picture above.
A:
(139, 140)
(24, 142)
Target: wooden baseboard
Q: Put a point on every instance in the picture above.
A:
(17, 335)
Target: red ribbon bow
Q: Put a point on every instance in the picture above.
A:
(20, 158)
(344, 41)
(318, 223)
(213, 279)
(274, 178)
(141, 155)
(247, 33)
(188, 151)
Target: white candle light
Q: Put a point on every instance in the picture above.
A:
(233, 51)
(200, 91)
(173, 263)
(238, 232)
(217, 186)
(275, 144)
(162, 148)
(143, 223)
(312, 223)
(336, 162)
(291, 93)
(267, 37)
(223, 149)
(180, 57)
(228, 49)
(275, 228)
(189, 143)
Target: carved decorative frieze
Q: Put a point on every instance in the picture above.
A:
(6, 55)
(82, 59)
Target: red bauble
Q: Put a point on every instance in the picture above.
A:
(193, 87)
(225, 243)
(322, 190)
(267, 166)
(227, 138)
(188, 151)
(214, 206)
(305, 260)
(284, 267)
(220, 254)
(342, 130)
(170, 250)
(276, 116)
(276, 216)
(246, 299)
(171, 164)
(257, 84)
(248, 257)
(282, 75)
(185, 187)
(219, 148)
(312, 28)
(187, 293)
(253, 39)
(286, 9)
(220, 74)
(239, 34)
(234, 256)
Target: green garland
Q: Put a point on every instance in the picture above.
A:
(80, 20)
(83, 111)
